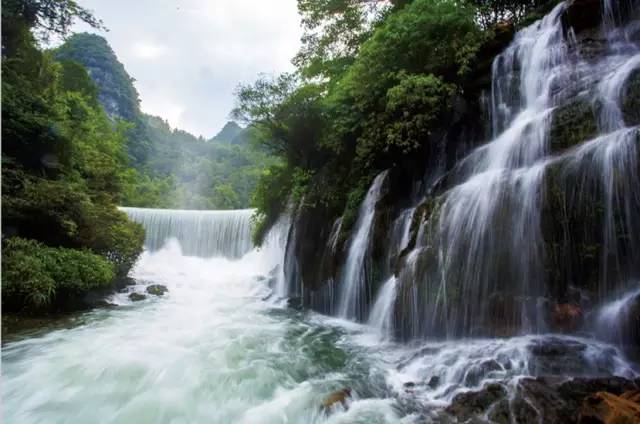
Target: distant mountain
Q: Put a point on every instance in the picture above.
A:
(228, 132)
(117, 93)
(219, 173)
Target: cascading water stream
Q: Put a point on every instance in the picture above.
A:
(354, 280)
(199, 232)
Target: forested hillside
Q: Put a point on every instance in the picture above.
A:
(64, 169)
(173, 168)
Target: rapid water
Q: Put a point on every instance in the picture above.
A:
(211, 350)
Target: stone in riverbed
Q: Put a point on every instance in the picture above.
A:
(136, 297)
(339, 397)
(157, 289)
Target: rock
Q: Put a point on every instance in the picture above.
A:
(572, 124)
(465, 406)
(557, 401)
(607, 408)
(434, 382)
(136, 297)
(582, 14)
(557, 356)
(538, 400)
(631, 99)
(567, 317)
(479, 372)
(157, 289)
(334, 398)
(632, 395)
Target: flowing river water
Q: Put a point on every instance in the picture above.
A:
(219, 347)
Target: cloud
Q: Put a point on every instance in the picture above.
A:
(147, 50)
(187, 56)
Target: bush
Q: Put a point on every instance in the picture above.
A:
(35, 276)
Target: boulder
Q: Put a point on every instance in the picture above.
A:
(548, 400)
(157, 289)
(136, 297)
(339, 397)
(607, 408)
(465, 406)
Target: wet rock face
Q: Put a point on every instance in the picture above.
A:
(572, 123)
(631, 100)
(546, 400)
(607, 408)
(467, 405)
(581, 15)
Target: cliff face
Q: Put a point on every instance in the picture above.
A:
(522, 216)
(117, 94)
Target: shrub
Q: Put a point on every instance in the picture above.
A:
(34, 276)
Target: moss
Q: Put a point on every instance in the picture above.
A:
(572, 123)
(631, 100)
(157, 289)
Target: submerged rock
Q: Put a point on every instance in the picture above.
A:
(136, 297)
(157, 289)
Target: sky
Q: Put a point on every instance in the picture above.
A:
(188, 56)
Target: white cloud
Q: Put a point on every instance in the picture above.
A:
(148, 50)
(187, 56)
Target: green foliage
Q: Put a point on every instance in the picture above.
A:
(34, 275)
(270, 198)
(492, 12)
(373, 86)
(413, 110)
(64, 167)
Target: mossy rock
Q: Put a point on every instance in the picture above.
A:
(136, 297)
(157, 289)
(631, 99)
(572, 124)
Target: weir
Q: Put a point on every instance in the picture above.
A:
(203, 233)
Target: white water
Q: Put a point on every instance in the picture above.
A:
(209, 351)
(212, 350)
(355, 275)
(381, 316)
(202, 233)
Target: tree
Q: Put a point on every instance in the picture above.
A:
(334, 30)
(46, 16)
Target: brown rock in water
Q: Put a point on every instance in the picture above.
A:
(607, 408)
(340, 396)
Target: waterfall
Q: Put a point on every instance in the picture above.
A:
(200, 233)
(617, 321)
(478, 264)
(354, 280)
(381, 317)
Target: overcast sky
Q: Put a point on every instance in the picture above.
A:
(187, 56)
